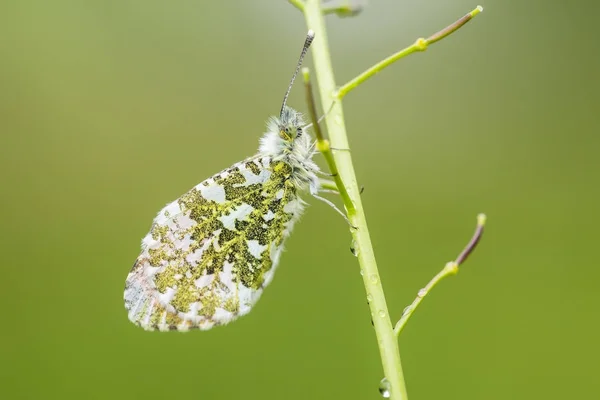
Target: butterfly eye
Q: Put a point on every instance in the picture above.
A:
(284, 133)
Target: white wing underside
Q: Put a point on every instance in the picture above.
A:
(166, 274)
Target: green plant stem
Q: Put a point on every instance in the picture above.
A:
(386, 340)
(343, 10)
(419, 45)
(299, 4)
(329, 185)
(323, 144)
(450, 268)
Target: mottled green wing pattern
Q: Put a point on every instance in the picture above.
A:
(210, 253)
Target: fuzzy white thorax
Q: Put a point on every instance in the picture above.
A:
(297, 150)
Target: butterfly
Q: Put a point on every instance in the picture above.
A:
(210, 253)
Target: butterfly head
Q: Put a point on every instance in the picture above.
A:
(290, 125)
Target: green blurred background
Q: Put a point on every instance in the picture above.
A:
(110, 109)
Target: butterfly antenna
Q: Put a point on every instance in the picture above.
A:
(309, 38)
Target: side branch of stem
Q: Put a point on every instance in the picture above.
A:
(419, 45)
(450, 268)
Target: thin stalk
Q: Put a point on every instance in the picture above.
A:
(419, 45)
(299, 4)
(450, 268)
(348, 9)
(323, 144)
(329, 185)
(386, 340)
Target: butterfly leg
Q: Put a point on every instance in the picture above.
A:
(314, 190)
(330, 204)
(327, 174)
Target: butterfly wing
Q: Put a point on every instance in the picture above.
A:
(210, 253)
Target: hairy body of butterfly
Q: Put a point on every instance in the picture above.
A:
(210, 253)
